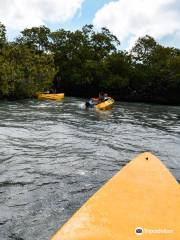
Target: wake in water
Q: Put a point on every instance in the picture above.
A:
(55, 155)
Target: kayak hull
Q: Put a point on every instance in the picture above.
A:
(142, 195)
(50, 96)
(106, 105)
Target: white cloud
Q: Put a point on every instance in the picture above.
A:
(130, 19)
(18, 14)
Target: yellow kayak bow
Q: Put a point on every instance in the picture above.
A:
(142, 199)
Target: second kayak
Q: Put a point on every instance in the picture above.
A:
(51, 96)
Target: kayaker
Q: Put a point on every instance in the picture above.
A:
(106, 97)
(90, 103)
(101, 96)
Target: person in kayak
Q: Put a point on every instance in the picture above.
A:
(94, 101)
(106, 97)
(90, 103)
(103, 97)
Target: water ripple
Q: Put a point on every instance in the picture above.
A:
(55, 155)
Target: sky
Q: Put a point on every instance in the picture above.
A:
(127, 19)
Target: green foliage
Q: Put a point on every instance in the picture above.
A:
(2, 33)
(35, 37)
(24, 71)
(84, 62)
(118, 71)
(156, 70)
(143, 49)
(80, 55)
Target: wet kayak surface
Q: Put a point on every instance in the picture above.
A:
(55, 155)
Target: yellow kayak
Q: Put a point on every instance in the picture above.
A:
(50, 96)
(106, 105)
(142, 199)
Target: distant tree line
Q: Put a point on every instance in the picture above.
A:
(84, 62)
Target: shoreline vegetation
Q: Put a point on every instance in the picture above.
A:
(84, 62)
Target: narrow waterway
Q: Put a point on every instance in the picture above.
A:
(55, 155)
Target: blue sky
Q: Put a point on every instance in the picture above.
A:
(83, 16)
(127, 19)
